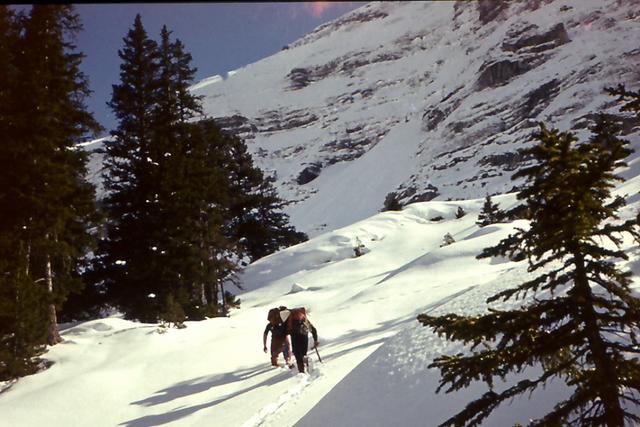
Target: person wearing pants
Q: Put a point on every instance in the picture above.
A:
(279, 342)
(300, 344)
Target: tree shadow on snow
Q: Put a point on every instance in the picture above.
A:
(328, 352)
(198, 385)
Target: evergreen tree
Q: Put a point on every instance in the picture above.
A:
(48, 206)
(391, 202)
(185, 202)
(177, 154)
(490, 213)
(256, 219)
(154, 175)
(128, 254)
(175, 103)
(581, 322)
(61, 201)
(631, 99)
(447, 240)
(23, 303)
(198, 186)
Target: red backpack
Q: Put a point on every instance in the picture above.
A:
(297, 321)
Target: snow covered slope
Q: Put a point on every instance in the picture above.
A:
(112, 372)
(430, 100)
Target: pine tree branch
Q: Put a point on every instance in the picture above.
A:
(479, 409)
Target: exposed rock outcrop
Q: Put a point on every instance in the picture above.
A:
(556, 36)
(488, 10)
(300, 78)
(508, 161)
(538, 99)
(278, 120)
(415, 195)
(499, 73)
(309, 173)
(236, 125)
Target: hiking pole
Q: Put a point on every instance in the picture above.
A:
(316, 348)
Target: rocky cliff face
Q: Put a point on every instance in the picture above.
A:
(423, 100)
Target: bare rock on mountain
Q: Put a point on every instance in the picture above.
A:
(309, 173)
(489, 10)
(538, 42)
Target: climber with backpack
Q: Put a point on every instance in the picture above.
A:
(298, 326)
(280, 341)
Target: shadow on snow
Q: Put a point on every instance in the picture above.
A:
(195, 386)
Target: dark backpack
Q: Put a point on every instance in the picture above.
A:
(274, 314)
(279, 328)
(297, 321)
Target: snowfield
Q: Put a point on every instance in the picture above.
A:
(113, 372)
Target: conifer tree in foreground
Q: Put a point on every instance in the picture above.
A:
(204, 198)
(173, 151)
(48, 206)
(128, 252)
(580, 322)
(185, 203)
(23, 320)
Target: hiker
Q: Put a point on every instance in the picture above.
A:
(280, 341)
(299, 326)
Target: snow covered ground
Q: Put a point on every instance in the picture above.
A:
(113, 372)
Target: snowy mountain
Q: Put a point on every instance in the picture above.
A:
(430, 100)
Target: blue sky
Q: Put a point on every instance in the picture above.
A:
(220, 36)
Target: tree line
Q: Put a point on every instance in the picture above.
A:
(184, 207)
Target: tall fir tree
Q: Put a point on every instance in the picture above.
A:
(204, 201)
(23, 303)
(256, 220)
(182, 197)
(48, 206)
(176, 104)
(580, 322)
(128, 255)
(153, 172)
(178, 154)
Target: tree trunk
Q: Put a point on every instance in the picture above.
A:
(54, 334)
(28, 255)
(202, 293)
(607, 376)
(18, 302)
(224, 299)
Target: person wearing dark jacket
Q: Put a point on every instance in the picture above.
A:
(279, 341)
(299, 326)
